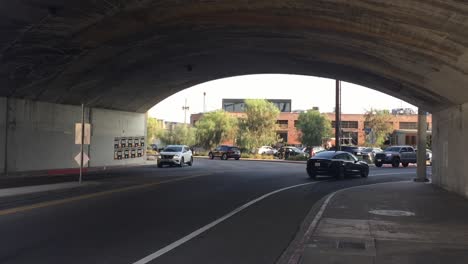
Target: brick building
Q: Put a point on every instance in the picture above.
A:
(404, 125)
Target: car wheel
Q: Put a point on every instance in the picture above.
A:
(224, 156)
(237, 158)
(181, 162)
(311, 174)
(405, 164)
(340, 173)
(396, 163)
(160, 165)
(365, 172)
(191, 161)
(211, 155)
(378, 164)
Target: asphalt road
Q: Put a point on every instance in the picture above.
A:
(126, 226)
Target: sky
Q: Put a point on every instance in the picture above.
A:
(304, 91)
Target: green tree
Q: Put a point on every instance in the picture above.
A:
(181, 134)
(380, 124)
(153, 128)
(313, 127)
(258, 128)
(215, 127)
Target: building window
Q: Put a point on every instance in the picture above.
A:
(296, 123)
(283, 137)
(282, 124)
(349, 138)
(347, 124)
(283, 106)
(408, 125)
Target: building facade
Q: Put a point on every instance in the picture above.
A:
(353, 126)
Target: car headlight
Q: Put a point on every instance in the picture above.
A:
(176, 156)
(388, 155)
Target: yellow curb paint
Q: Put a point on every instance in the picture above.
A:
(91, 195)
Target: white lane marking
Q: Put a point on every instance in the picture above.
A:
(297, 253)
(196, 233)
(393, 173)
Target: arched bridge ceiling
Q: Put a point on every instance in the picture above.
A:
(129, 55)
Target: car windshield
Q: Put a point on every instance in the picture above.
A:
(234, 149)
(173, 149)
(296, 149)
(393, 149)
(325, 155)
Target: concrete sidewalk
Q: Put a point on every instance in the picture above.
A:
(41, 188)
(391, 223)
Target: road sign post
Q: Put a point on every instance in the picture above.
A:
(82, 143)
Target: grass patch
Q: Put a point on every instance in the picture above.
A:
(298, 158)
(256, 156)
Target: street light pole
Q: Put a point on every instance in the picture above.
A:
(204, 102)
(185, 108)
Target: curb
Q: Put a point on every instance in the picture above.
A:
(264, 160)
(295, 250)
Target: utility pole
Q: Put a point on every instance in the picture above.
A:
(338, 116)
(204, 102)
(185, 108)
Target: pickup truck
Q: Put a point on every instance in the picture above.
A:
(395, 155)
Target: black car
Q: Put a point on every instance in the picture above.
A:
(286, 152)
(355, 150)
(225, 152)
(336, 163)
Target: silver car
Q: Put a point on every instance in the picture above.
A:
(175, 155)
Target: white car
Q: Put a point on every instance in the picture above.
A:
(267, 150)
(175, 155)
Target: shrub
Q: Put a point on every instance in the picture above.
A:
(256, 156)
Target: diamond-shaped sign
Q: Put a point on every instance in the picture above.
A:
(85, 159)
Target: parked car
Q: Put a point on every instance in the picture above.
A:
(175, 155)
(395, 155)
(355, 150)
(336, 163)
(154, 147)
(285, 152)
(225, 152)
(313, 150)
(267, 150)
(368, 154)
(428, 155)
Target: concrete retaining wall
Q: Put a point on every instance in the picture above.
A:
(41, 136)
(3, 106)
(109, 124)
(450, 145)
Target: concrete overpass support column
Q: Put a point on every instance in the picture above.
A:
(3, 133)
(449, 149)
(421, 156)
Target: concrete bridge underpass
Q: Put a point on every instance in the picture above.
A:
(119, 58)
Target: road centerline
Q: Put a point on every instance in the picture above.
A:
(93, 195)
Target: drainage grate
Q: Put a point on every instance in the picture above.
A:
(351, 245)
